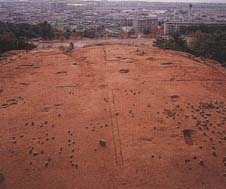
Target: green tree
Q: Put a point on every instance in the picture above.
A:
(8, 41)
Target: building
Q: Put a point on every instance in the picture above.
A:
(190, 12)
(173, 27)
(142, 25)
(58, 7)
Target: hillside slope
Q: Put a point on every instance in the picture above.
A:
(161, 113)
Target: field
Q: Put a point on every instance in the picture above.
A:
(112, 117)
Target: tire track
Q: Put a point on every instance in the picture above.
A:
(115, 130)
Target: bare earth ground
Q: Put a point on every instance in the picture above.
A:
(161, 113)
(88, 42)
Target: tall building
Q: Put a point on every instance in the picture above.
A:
(144, 24)
(190, 12)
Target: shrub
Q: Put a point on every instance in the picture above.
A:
(209, 45)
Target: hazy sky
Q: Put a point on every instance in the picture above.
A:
(183, 1)
(188, 1)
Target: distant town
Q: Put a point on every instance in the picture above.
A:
(111, 18)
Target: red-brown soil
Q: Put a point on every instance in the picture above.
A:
(161, 113)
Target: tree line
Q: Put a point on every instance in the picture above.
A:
(201, 41)
(17, 36)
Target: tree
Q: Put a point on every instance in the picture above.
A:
(7, 42)
(174, 42)
(46, 31)
(211, 46)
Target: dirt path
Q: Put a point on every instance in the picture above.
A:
(161, 114)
